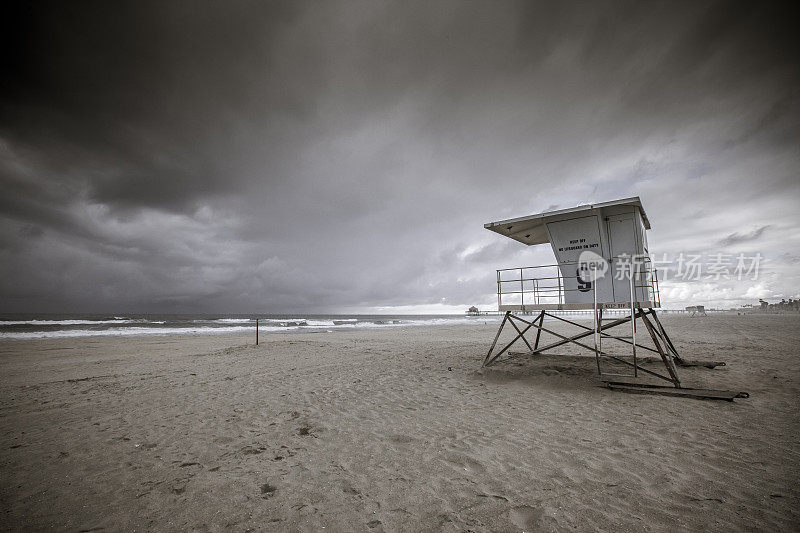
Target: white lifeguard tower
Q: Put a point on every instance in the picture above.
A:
(697, 310)
(602, 265)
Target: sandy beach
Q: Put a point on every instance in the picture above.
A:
(395, 430)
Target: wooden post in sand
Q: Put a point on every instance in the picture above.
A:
(256, 332)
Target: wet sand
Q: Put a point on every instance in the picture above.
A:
(395, 430)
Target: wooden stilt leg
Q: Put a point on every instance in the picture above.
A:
(500, 330)
(507, 346)
(664, 334)
(664, 356)
(539, 331)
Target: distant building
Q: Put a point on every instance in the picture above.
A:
(473, 311)
(784, 306)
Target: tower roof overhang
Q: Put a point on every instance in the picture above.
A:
(532, 229)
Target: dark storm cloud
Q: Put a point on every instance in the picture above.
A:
(238, 156)
(137, 92)
(736, 237)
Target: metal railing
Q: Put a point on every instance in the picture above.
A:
(546, 284)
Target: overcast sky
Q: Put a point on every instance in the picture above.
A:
(343, 157)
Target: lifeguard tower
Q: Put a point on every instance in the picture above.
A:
(602, 265)
(697, 310)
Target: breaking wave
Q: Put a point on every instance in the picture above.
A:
(155, 325)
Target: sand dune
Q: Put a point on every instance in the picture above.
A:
(395, 430)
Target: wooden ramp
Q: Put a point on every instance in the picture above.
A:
(666, 390)
(707, 364)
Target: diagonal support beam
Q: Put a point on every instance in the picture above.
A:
(500, 330)
(582, 345)
(664, 356)
(565, 340)
(664, 334)
(657, 334)
(507, 346)
(637, 367)
(605, 335)
(511, 321)
(539, 331)
(489, 359)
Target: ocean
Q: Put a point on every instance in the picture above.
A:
(39, 326)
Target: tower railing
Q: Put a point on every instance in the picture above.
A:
(545, 286)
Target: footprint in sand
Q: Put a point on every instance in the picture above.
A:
(526, 518)
(401, 439)
(268, 491)
(466, 463)
(249, 450)
(306, 431)
(347, 488)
